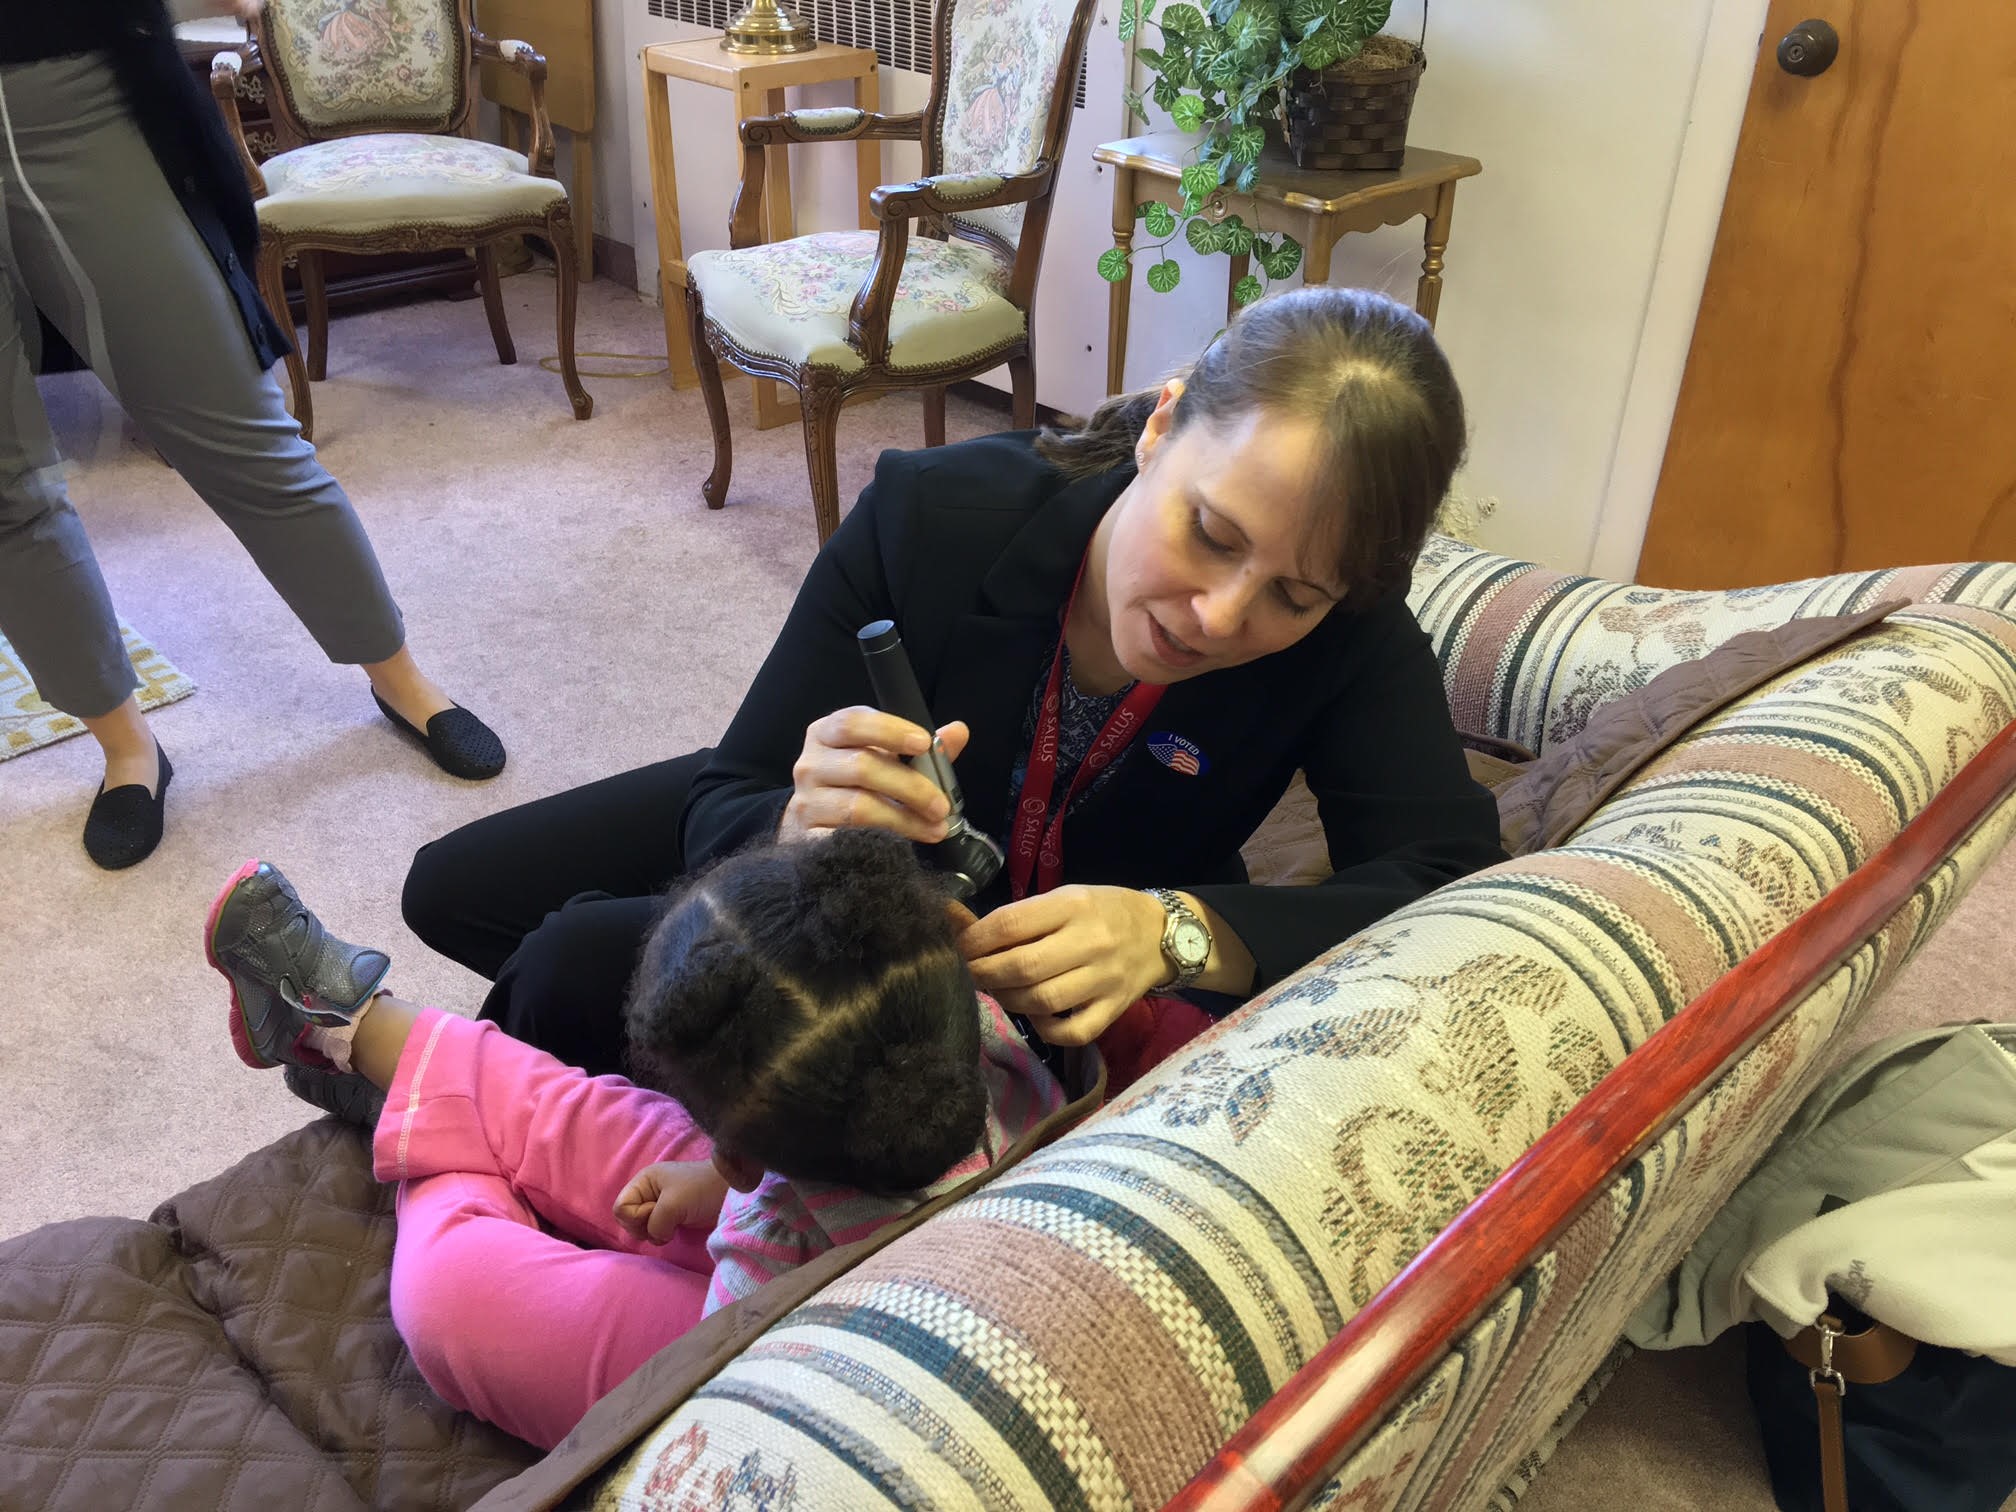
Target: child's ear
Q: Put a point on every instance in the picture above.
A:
(740, 1172)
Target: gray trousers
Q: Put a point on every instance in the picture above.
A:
(139, 297)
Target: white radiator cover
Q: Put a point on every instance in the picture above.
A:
(1071, 297)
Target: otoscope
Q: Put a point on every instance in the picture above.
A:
(971, 858)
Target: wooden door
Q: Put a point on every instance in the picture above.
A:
(1850, 397)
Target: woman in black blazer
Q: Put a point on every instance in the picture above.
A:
(1227, 558)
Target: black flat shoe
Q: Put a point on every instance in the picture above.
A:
(460, 743)
(125, 824)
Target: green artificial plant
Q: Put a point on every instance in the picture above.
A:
(1221, 69)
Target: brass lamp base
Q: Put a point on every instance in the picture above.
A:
(766, 26)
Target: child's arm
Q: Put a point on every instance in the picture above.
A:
(673, 1194)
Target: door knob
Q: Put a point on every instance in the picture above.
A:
(1808, 49)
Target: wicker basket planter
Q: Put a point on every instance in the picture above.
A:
(1354, 113)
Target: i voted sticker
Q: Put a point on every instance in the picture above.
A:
(1177, 754)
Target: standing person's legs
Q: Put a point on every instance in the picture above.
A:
(552, 900)
(54, 605)
(138, 294)
(489, 1137)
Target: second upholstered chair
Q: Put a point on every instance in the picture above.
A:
(945, 288)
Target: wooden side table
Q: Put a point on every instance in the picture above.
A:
(758, 83)
(1316, 208)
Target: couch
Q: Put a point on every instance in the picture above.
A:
(1369, 1243)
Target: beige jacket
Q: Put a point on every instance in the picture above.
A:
(1894, 1187)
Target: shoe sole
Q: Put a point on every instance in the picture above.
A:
(241, 1034)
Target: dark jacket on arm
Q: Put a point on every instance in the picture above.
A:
(972, 550)
(184, 130)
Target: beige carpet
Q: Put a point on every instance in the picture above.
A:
(563, 579)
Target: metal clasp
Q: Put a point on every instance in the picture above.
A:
(1825, 1371)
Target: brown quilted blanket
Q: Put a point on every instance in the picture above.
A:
(234, 1353)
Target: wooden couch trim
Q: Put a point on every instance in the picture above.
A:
(1301, 1437)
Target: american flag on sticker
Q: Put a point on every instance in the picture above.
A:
(1177, 754)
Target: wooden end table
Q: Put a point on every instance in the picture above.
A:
(758, 83)
(1315, 208)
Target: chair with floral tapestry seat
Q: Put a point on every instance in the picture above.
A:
(374, 107)
(841, 313)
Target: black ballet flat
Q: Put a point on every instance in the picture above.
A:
(460, 743)
(125, 824)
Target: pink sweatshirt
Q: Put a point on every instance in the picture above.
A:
(784, 1223)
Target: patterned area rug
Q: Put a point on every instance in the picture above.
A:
(26, 722)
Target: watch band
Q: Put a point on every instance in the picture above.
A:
(1176, 914)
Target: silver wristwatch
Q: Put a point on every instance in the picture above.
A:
(1186, 939)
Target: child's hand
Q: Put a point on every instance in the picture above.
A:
(673, 1194)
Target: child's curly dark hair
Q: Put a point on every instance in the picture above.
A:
(806, 1004)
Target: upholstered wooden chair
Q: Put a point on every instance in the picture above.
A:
(841, 313)
(374, 106)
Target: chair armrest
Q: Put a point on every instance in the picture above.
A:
(527, 60)
(225, 70)
(837, 123)
(958, 193)
(896, 206)
(840, 123)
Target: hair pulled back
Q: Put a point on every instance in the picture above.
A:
(1367, 371)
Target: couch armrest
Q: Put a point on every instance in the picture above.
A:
(1305, 1432)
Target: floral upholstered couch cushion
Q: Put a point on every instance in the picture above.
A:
(1090, 1328)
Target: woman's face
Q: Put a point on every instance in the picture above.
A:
(1211, 559)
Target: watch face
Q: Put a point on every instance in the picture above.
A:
(1192, 944)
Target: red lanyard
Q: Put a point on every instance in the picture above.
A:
(1035, 849)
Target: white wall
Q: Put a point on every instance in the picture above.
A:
(615, 97)
(1579, 111)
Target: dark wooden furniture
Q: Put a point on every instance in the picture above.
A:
(408, 174)
(350, 280)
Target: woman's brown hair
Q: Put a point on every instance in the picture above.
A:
(1364, 367)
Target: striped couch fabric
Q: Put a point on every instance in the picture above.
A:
(1086, 1331)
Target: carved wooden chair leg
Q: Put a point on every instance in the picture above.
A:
(820, 400)
(493, 303)
(708, 365)
(560, 232)
(934, 416)
(1022, 379)
(315, 293)
(272, 284)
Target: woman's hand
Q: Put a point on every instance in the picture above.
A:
(673, 1194)
(1071, 960)
(853, 774)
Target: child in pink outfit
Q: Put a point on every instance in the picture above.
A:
(824, 1066)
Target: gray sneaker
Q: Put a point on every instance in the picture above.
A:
(287, 973)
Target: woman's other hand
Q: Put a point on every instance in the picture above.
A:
(1071, 960)
(854, 774)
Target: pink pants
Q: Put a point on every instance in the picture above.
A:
(521, 1297)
